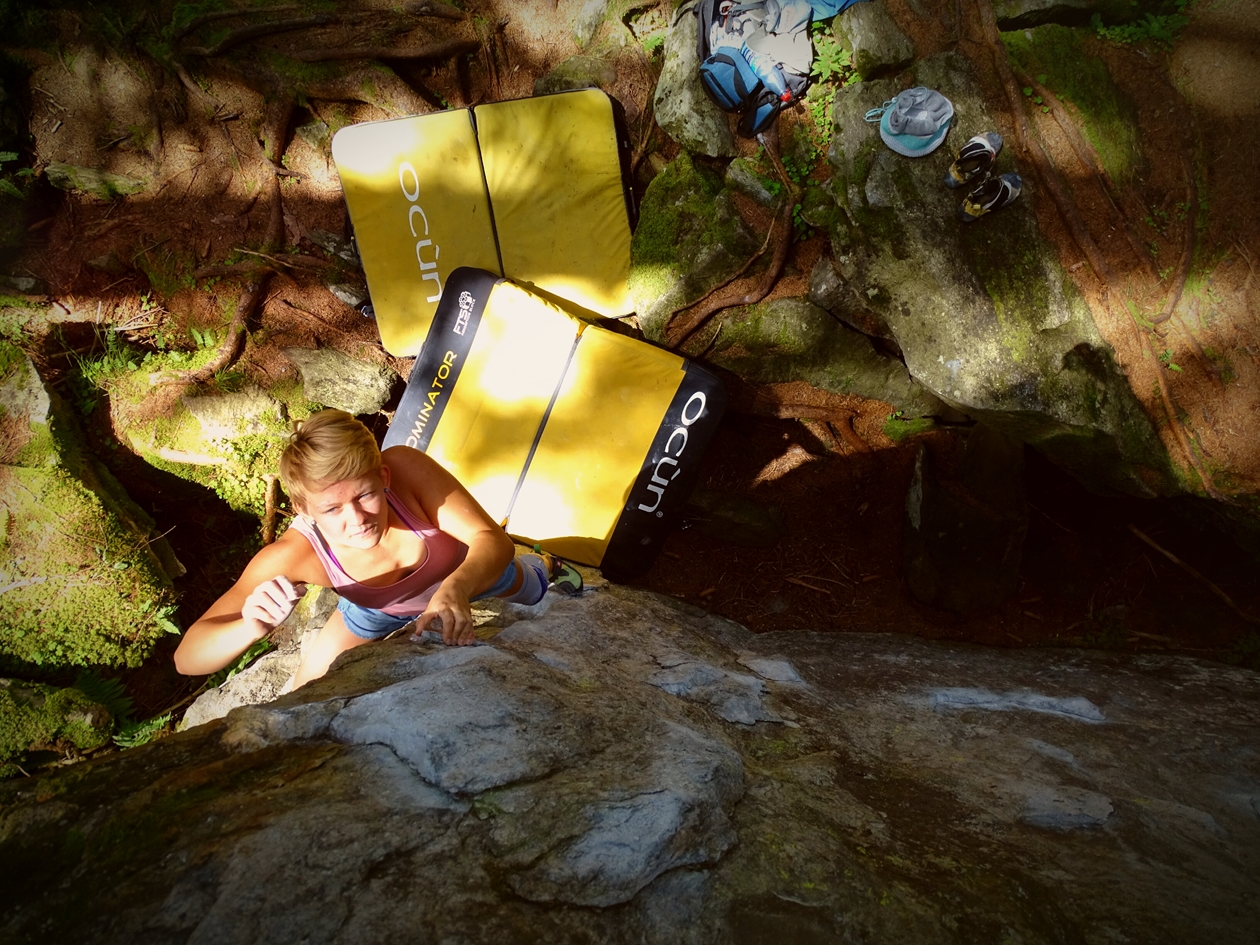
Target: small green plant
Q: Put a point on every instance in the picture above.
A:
(106, 692)
(241, 663)
(1166, 358)
(135, 734)
(110, 693)
(91, 376)
(7, 185)
(1161, 29)
(830, 58)
(819, 100)
(203, 338)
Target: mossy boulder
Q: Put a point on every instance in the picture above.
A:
(85, 578)
(793, 339)
(578, 72)
(92, 181)
(35, 716)
(986, 317)
(228, 441)
(689, 239)
(338, 380)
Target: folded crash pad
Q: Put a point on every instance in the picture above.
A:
(573, 436)
(532, 189)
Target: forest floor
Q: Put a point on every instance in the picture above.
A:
(215, 132)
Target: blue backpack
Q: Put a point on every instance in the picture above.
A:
(755, 57)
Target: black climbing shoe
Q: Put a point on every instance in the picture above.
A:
(974, 160)
(564, 577)
(993, 193)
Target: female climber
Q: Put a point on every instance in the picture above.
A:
(393, 533)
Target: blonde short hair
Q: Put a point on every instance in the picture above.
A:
(328, 447)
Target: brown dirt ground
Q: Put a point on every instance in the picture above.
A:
(1087, 578)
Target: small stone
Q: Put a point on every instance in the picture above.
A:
(337, 380)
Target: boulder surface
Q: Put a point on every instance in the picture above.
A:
(625, 768)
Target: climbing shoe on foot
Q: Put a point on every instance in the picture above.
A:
(564, 577)
(993, 193)
(974, 160)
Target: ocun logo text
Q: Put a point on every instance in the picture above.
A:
(692, 411)
(409, 181)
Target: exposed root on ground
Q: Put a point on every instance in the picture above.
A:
(1093, 165)
(246, 33)
(271, 506)
(251, 295)
(780, 234)
(1191, 571)
(199, 21)
(447, 49)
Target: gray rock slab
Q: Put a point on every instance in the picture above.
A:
(877, 43)
(928, 793)
(588, 21)
(232, 415)
(682, 108)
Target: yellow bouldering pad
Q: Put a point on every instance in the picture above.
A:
(574, 437)
(532, 189)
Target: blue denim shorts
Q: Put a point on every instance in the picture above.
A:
(369, 624)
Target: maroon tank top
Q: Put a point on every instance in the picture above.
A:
(409, 596)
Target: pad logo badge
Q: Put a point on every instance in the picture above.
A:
(692, 411)
(466, 303)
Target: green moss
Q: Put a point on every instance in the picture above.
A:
(38, 716)
(12, 361)
(897, 429)
(1011, 271)
(81, 589)
(1074, 74)
(677, 209)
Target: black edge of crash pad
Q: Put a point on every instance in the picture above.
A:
(438, 366)
(668, 475)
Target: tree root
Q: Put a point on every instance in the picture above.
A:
(1092, 163)
(1187, 250)
(1181, 564)
(246, 33)
(251, 296)
(270, 508)
(199, 21)
(837, 420)
(379, 86)
(434, 8)
(780, 234)
(444, 50)
(1174, 416)
(1036, 153)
